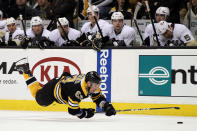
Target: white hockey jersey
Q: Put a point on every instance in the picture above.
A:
(88, 28)
(31, 34)
(181, 35)
(56, 37)
(149, 30)
(3, 25)
(128, 34)
(18, 35)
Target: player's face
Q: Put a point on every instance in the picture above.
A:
(121, 2)
(168, 34)
(91, 17)
(21, 2)
(160, 17)
(37, 29)
(65, 27)
(194, 3)
(118, 24)
(42, 2)
(93, 87)
(11, 27)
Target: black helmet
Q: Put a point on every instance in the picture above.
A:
(93, 76)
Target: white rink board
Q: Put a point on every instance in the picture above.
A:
(18, 89)
(125, 70)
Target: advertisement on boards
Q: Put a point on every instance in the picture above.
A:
(167, 75)
(45, 65)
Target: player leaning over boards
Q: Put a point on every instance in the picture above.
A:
(68, 89)
(174, 35)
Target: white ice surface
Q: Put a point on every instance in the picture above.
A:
(62, 121)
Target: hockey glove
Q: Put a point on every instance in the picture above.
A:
(25, 42)
(97, 44)
(72, 43)
(109, 109)
(12, 43)
(87, 113)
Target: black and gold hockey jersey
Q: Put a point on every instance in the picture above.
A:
(71, 89)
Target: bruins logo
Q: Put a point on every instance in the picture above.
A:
(78, 95)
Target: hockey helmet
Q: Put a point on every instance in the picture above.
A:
(36, 21)
(63, 21)
(10, 20)
(1, 14)
(94, 8)
(162, 27)
(93, 76)
(163, 11)
(117, 16)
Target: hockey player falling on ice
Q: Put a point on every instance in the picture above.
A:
(68, 89)
(174, 35)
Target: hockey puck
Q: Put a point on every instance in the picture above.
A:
(179, 122)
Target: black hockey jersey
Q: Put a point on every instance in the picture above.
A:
(71, 89)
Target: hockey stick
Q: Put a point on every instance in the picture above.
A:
(24, 28)
(99, 29)
(97, 2)
(135, 21)
(145, 109)
(25, 58)
(155, 33)
(56, 19)
(189, 14)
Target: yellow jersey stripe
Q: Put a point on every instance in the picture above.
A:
(55, 94)
(60, 95)
(73, 107)
(95, 98)
(74, 102)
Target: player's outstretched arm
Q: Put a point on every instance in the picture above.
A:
(101, 102)
(82, 113)
(109, 109)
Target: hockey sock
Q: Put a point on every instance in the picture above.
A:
(32, 84)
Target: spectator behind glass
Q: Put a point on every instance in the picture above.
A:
(5, 6)
(23, 9)
(43, 7)
(191, 14)
(32, 3)
(143, 13)
(103, 6)
(63, 8)
(123, 7)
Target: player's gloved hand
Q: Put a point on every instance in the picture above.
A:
(97, 44)
(87, 113)
(86, 43)
(12, 43)
(43, 42)
(2, 33)
(73, 43)
(109, 109)
(2, 43)
(25, 42)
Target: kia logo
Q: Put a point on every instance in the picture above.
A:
(53, 67)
